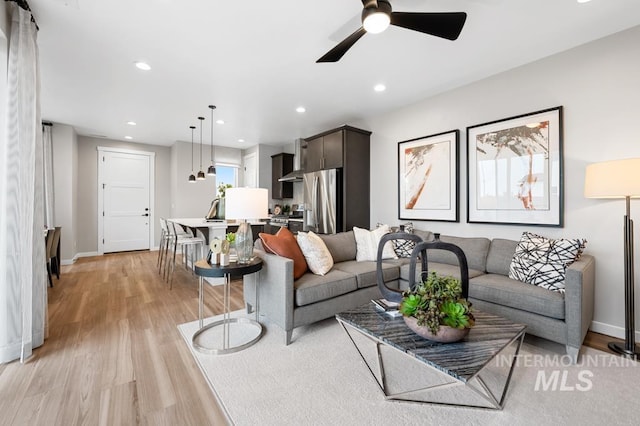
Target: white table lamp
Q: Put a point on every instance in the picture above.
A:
(619, 179)
(244, 204)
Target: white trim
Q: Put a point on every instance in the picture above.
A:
(152, 192)
(611, 330)
(234, 165)
(86, 254)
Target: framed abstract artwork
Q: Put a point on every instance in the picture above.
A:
(428, 178)
(514, 170)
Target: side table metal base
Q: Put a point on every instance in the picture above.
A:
(241, 333)
(227, 335)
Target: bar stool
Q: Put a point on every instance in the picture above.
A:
(165, 239)
(189, 244)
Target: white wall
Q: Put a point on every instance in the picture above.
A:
(87, 187)
(65, 171)
(190, 199)
(598, 85)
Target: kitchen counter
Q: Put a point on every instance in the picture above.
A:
(215, 229)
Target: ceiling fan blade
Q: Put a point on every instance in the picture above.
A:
(337, 52)
(446, 25)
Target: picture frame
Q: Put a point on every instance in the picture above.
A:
(515, 170)
(428, 177)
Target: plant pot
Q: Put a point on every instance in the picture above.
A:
(220, 212)
(445, 334)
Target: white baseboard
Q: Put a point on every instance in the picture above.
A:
(610, 330)
(86, 254)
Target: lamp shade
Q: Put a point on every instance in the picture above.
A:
(613, 179)
(246, 203)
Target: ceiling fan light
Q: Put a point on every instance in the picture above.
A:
(376, 22)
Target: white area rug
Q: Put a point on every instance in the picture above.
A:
(321, 380)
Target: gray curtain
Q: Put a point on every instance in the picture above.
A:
(23, 277)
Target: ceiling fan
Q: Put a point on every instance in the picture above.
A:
(377, 16)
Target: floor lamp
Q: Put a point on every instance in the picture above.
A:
(244, 204)
(620, 179)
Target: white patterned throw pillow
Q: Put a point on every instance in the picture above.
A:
(404, 248)
(367, 244)
(543, 261)
(316, 253)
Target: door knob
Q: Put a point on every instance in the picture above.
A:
(146, 214)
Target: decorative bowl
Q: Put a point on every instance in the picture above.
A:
(445, 334)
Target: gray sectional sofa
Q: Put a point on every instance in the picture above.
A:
(289, 303)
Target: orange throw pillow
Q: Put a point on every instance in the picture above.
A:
(284, 244)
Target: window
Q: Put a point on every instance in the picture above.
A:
(226, 174)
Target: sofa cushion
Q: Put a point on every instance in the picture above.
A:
(284, 244)
(367, 244)
(504, 291)
(475, 249)
(365, 272)
(543, 261)
(425, 235)
(342, 246)
(500, 254)
(318, 257)
(311, 288)
(441, 268)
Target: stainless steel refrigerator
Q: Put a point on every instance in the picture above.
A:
(323, 201)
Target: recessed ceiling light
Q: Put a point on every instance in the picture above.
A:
(301, 109)
(220, 121)
(131, 123)
(584, 1)
(240, 140)
(128, 137)
(143, 66)
(379, 87)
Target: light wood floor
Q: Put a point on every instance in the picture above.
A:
(114, 355)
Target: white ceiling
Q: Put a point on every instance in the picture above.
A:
(255, 60)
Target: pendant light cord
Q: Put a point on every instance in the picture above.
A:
(201, 119)
(192, 129)
(212, 108)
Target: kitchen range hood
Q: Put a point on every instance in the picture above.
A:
(296, 174)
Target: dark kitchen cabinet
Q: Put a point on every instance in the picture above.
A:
(255, 230)
(281, 164)
(325, 151)
(346, 148)
(295, 226)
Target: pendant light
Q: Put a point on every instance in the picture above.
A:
(211, 171)
(192, 177)
(201, 175)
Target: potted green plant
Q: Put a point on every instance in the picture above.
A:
(436, 310)
(222, 189)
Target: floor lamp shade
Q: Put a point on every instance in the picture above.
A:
(613, 179)
(620, 179)
(243, 204)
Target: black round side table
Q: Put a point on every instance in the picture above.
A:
(245, 331)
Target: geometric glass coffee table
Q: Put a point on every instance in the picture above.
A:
(474, 372)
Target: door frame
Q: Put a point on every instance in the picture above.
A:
(152, 193)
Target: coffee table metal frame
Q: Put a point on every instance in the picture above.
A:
(421, 354)
(233, 270)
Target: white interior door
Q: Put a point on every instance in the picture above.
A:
(125, 186)
(250, 178)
